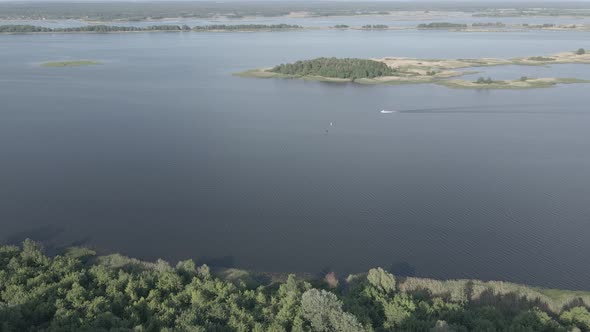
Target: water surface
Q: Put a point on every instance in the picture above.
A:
(161, 152)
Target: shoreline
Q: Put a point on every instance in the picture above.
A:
(554, 298)
(78, 289)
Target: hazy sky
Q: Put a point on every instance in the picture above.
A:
(229, 1)
(483, 1)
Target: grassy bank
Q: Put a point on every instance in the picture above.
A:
(70, 63)
(78, 290)
(511, 84)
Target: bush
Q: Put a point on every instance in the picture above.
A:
(581, 51)
(578, 316)
(482, 80)
(381, 280)
(324, 312)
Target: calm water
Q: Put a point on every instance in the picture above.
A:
(161, 152)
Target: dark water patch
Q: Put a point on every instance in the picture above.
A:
(43, 234)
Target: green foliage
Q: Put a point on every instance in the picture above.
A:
(581, 51)
(324, 313)
(78, 291)
(381, 280)
(482, 80)
(375, 27)
(73, 63)
(442, 25)
(578, 317)
(246, 27)
(489, 24)
(534, 320)
(541, 58)
(348, 68)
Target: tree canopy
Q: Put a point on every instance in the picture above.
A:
(350, 68)
(79, 291)
(442, 25)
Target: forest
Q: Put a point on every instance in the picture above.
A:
(246, 27)
(348, 68)
(113, 28)
(442, 25)
(80, 291)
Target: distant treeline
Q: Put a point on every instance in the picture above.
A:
(243, 27)
(350, 68)
(375, 26)
(442, 25)
(90, 28)
(114, 28)
(489, 24)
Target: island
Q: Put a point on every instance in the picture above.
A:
(77, 289)
(397, 70)
(70, 63)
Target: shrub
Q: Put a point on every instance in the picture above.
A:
(381, 280)
(578, 316)
(323, 311)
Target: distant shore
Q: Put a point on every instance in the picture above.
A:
(16, 28)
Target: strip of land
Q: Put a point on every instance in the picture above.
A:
(398, 70)
(70, 63)
(17, 28)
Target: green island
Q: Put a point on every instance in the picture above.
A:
(444, 72)
(70, 63)
(78, 290)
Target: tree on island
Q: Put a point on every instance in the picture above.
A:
(375, 26)
(348, 68)
(442, 25)
(581, 51)
(482, 80)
